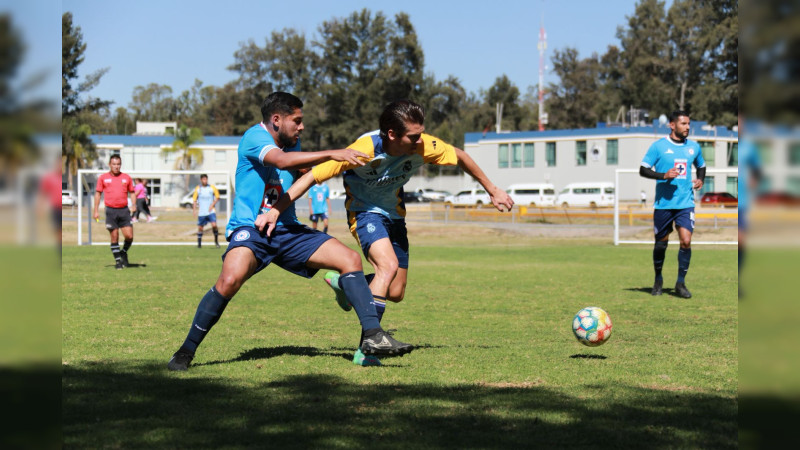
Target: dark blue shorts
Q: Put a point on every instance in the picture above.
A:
(370, 227)
(318, 217)
(202, 220)
(663, 219)
(742, 219)
(290, 247)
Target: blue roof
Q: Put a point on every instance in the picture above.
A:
(697, 131)
(157, 141)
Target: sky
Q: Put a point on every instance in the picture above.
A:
(174, 42)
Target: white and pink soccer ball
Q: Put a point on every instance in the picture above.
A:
(592, 326)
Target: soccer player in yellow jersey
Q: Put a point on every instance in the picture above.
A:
(375, 208)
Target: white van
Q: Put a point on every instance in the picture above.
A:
(533, 194)
(587, 194)
(474, 196)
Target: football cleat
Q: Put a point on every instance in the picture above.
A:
(361, 359)
(119, 265)
(657, 287)
(382, 343)
(180, 360)
(332, 278)
(682, 291)
(123, 256)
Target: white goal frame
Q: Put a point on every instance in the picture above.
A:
(618, 241)
(145, 174)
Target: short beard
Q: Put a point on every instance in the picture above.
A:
(284, 140)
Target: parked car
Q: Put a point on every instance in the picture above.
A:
(67, 198)
(778, 198)
(474, 196)
(413, 197)
(592, 194)
(186, 200)
(432, 195)
(719, 198)
(533, 194)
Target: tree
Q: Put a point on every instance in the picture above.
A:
(16, 135)
(183, 145)
(77, 149)
(573, 103)
(154, 103)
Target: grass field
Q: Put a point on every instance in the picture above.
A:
(496, 364)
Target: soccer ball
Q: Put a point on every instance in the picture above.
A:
(592, 326)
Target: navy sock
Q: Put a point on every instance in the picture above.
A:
(684, 257)
(208, 313)
(741, 259)
(216, 235)
(357, 291)
(116, 252)
(127, 245)
(199, 238)
(659, 252)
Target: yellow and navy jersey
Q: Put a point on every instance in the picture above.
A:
(377, 186)
(204, 196)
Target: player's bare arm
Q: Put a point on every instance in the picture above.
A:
(303, 160)
(298, 189)
(96, 215)
(499, 197)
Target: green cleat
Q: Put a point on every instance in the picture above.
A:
(332, 278)
(361, 359)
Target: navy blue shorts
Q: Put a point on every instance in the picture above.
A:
(742, 219)
(202, 220)
(370, 227)
(317, 217)
(663, 219)
(290, 247)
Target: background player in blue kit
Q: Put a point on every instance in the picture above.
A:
(669, 161)
(749, 179)
(375, 207)
(319, 204)
(204, 198)
(269, 156)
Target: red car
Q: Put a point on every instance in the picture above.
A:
(719, 198)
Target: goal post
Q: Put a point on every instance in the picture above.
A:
(168, 189)
(714, 224)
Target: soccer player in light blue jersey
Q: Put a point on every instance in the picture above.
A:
(375, 207)
(204, 198)
(749, 179)
(319, 204)
(669, 161)
(269, 157)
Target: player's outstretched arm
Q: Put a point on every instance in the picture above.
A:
(298, 189)
(498, 196)
(303, 160)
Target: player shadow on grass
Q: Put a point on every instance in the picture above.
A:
(587, 356)
(666, 290)
(130, 265)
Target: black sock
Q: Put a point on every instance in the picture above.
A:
(208, 313)
(357, 291)
(199, 238)
(659, 252)
(216, 235)
(684, 258)
(741, 259)
(127, 245)
(325, 230)
(116, 252)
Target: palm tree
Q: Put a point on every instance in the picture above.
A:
(77, 148)
(188, 155)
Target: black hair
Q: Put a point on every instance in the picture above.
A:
(673, 116)
(398, 113)
(279, 102)
(115, 156)
(203, 176)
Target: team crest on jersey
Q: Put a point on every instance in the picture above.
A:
(241, 236)
(370, 228)
(680, 166)
(691, 151)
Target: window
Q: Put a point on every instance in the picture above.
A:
(580, 153)
(516, 155)
(793, 185)
(708, 185)
(732, 186)
(609, 191)
(733, 154)
(527, 155)
(502, 156)
(707, 148)
(220, 156)
(612, 151)
(550, 153)
(764, 152)
(794, 154)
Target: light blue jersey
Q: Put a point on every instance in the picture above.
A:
(666, 154)
(204, 196)
(749, 161)
(259, 186)
(319, 194)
